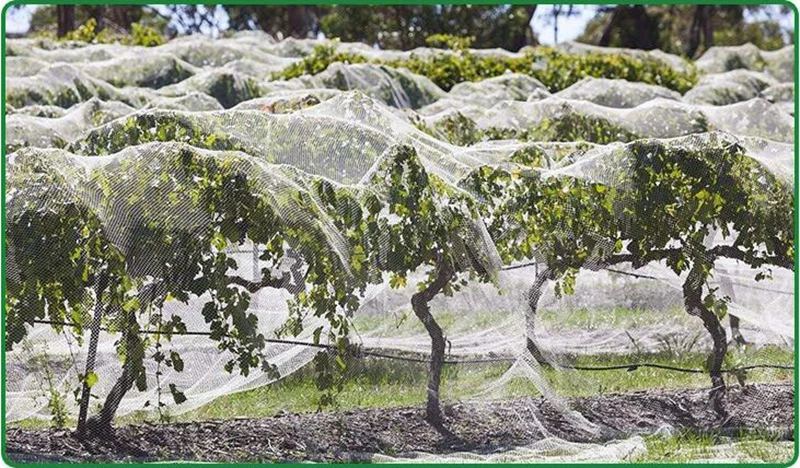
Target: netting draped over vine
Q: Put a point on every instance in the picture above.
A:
(225, 202)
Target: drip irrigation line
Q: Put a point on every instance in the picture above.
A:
(761, 288)
(515, 267)
(358, 352)
(613, 270)
(748, 286)
(633, 367)
(635, 275)
(650, 277)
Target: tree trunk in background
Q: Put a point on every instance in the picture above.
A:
(100, 17)
(637, 28)
(66, 19)
(303, 21)
(701, 25)
(522, 36)
(646, 29)
(605, 39)
(708, 28)
(555, 29)
(695, 30)
(122, 15)
(400, 15)
(296, 21)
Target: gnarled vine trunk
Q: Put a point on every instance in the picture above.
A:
(133, 347)
(420, 303)
(534, 294)
(91, 355)
(693, 300)
(736, 332)
(100, 425)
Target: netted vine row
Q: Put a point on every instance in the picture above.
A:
(131, 213)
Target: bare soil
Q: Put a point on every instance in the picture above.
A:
(477, 426)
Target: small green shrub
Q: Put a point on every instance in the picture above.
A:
(449, 41)
(447, 70)
(569, 128)
(50, 386)
(555, 68)
(317, 62)
(87, 32)
(145, 36)
(459, 129)
(530, 156)
(577, 127)
(140, 35)
(562, 69)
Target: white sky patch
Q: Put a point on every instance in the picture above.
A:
(18, 20)
(568, 27)
(772, 12)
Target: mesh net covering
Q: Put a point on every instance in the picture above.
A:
(182, 188)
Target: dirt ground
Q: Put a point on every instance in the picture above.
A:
(477, 426)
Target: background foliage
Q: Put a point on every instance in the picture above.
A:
(686, 30)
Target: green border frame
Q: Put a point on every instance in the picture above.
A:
(787, 3)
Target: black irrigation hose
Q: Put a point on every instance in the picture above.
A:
(518, 266)
(628, 273)
(641, 276)
(361, 353)
(633, 367)
(748, 286)
(357, 352)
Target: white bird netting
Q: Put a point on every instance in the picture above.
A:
(125, 136)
